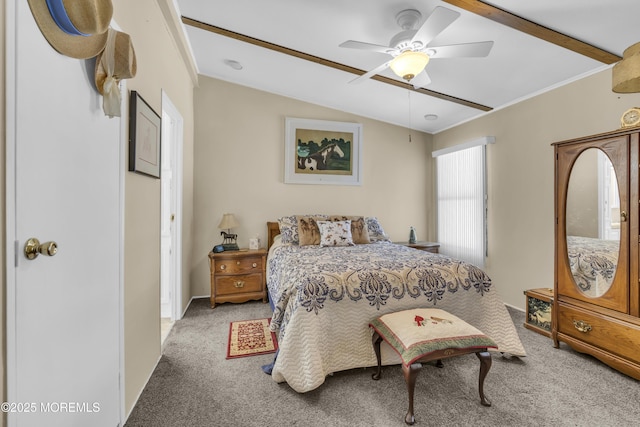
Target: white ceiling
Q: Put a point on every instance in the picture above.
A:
(518, 66)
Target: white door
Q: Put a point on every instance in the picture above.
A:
(63, 185)
(171, 210)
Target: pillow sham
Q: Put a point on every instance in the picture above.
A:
(335, 233)
(289, 227)
(308, 231)
(376, 232)
(359, 230)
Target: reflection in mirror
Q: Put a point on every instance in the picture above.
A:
(593, 222)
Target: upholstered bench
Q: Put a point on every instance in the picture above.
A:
(427, 334)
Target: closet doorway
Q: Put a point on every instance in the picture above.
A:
(171, 216)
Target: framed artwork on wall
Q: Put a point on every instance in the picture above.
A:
(322, 152)
(144, 137)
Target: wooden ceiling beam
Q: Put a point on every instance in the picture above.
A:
(536, 30)
(327, 62)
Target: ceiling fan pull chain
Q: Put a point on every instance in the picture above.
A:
(409, 98)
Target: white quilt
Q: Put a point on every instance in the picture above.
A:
(325, 297)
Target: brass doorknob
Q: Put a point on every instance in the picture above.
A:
(33, 248)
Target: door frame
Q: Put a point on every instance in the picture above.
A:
(176, 145)
(12, 249)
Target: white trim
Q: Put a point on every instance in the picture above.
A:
(470, 144)
(11, 248)
(176, 29)
(124, 139)
(514, 307)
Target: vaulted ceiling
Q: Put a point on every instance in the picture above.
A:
(291, 48)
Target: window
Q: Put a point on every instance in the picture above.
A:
(461, 201)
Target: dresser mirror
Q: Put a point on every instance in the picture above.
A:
(593, 222)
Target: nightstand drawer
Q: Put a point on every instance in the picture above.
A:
(601, 331)
(244, 283)
(239, 266)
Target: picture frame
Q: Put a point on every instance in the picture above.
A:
(322, 152)
(144, 137)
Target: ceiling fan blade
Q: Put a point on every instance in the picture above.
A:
(373, 72)
(421, 80)
(440, 18)
(366, 46)
(463, 50)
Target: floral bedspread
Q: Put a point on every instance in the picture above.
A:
(593, 263)
(325, 297)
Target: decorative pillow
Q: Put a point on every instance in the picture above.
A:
(358, 228)
(308, 231)
(335, 233)
(289, 228)
(376, 232)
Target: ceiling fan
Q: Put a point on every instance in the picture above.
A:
(410, 50)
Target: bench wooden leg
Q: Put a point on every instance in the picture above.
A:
(376, 340)
(410, 374)
(485, 365)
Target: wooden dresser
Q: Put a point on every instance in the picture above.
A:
(596, 293)
(238, 276)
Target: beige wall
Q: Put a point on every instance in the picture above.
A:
(520, 173)
(160, 67)
(239, 168)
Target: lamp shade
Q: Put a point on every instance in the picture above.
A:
(409, 64)
(626, 73)
(228, 221)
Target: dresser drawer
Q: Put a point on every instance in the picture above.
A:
(237, 284)
(616, 337)
(239, 265)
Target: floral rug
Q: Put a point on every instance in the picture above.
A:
(250, 337)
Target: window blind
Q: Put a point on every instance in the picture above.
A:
(461, 203)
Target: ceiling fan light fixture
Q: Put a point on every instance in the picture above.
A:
(626, 73)
(409, 64)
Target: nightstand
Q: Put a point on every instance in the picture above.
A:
(238, 276)
(423, 246)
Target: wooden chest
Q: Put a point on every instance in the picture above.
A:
(539, 310)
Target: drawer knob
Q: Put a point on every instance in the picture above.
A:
(239, 284)
(237, 262)
(222, 267)
(255, 264)
(582, 326)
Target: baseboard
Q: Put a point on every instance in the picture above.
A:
(142, 389)
(156, 364)
(189, 303)
(514, 307)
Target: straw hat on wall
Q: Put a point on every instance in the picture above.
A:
(116, 62)
(75, 28)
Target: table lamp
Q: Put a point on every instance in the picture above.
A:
(229, 240)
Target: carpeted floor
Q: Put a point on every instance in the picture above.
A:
(194, 385)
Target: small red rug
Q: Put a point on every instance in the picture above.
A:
(250, 337)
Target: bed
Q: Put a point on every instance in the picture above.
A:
(593, 263)
(323, 299)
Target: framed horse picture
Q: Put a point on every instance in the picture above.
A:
(322, 152)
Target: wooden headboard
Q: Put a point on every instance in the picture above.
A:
(273, 229)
